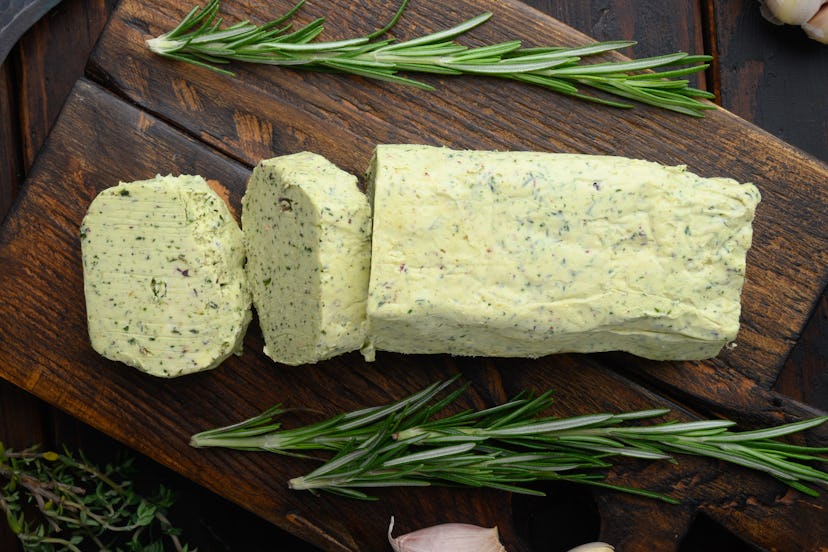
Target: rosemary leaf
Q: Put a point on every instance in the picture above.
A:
(773, 432)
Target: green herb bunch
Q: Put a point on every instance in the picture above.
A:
(59, 502)
(509, 446)
(200, 39)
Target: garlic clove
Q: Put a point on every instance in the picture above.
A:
(593, 547)
(453, 537)
(817, 27)
(793, 12)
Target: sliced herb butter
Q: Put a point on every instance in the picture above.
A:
(307, 231)
(163, 265)
(527, 254)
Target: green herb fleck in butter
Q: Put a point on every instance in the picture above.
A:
(528, 254)
(307, 231)
(163, 264)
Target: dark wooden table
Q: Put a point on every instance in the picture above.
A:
(769, 76)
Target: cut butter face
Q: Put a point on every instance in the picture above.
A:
(163, 264)
(307, 229)
(524, 254)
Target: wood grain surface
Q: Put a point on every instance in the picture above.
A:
(11, 166)
(137, 115)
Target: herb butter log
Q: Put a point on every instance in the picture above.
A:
(528, 254)
(307, 229)
(163, 266)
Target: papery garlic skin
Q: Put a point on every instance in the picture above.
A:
(593, 547)
(794, 12)
(448, 537)
(817, 27)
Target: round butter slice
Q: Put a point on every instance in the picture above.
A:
(307, 231)
(163, 266)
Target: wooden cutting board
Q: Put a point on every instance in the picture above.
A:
(136, 115)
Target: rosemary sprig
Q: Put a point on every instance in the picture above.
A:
(263, 433)
(200, 39)
(509, 446)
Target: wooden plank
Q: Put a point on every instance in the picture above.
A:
(11, 172)
(50, 356)
(47, 73)
(805, 377)
(21, 426)
(657, 27)
(20, 420)
(775, 76)
(35, 80)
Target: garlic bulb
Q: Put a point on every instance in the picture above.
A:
(453, 537)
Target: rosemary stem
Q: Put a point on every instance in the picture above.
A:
(163, 45)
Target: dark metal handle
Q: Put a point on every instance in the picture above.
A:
(16, 16)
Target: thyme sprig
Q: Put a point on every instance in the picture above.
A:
(509, 446)
(200, 39)
(62, 501)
